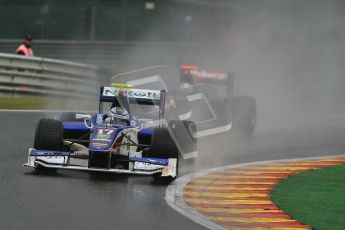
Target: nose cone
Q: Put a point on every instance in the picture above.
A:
(102, 139)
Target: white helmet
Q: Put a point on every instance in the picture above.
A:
(119, 115)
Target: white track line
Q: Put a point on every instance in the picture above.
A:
(174, 197)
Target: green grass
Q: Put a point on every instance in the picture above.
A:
(316, 198)
(22, 103)
(47, 103)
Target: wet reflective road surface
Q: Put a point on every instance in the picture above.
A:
(81, 200)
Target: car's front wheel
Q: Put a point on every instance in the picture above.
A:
(163, 146)
(48, 136)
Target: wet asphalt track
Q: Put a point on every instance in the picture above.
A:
(79, 200)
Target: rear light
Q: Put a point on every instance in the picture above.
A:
(188, 67)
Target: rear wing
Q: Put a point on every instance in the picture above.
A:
(194, 75)
(139, 96)
(134, 96)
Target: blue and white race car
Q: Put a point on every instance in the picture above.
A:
(114, 139)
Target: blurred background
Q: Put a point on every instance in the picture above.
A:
(288, 54)
(124, 33)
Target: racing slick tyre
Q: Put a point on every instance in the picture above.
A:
(184, 134)
(244, 115)
(163, 146)
(48, 136)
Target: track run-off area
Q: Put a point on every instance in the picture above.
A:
(238, 196)
(80, 200)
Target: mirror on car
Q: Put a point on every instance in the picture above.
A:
(82, 116)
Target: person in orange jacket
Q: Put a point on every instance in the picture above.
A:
(25, 48)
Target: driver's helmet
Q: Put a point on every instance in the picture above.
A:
(119, 116)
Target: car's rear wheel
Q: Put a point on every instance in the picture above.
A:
(48, 136)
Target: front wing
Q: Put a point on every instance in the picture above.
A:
(137, 165)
